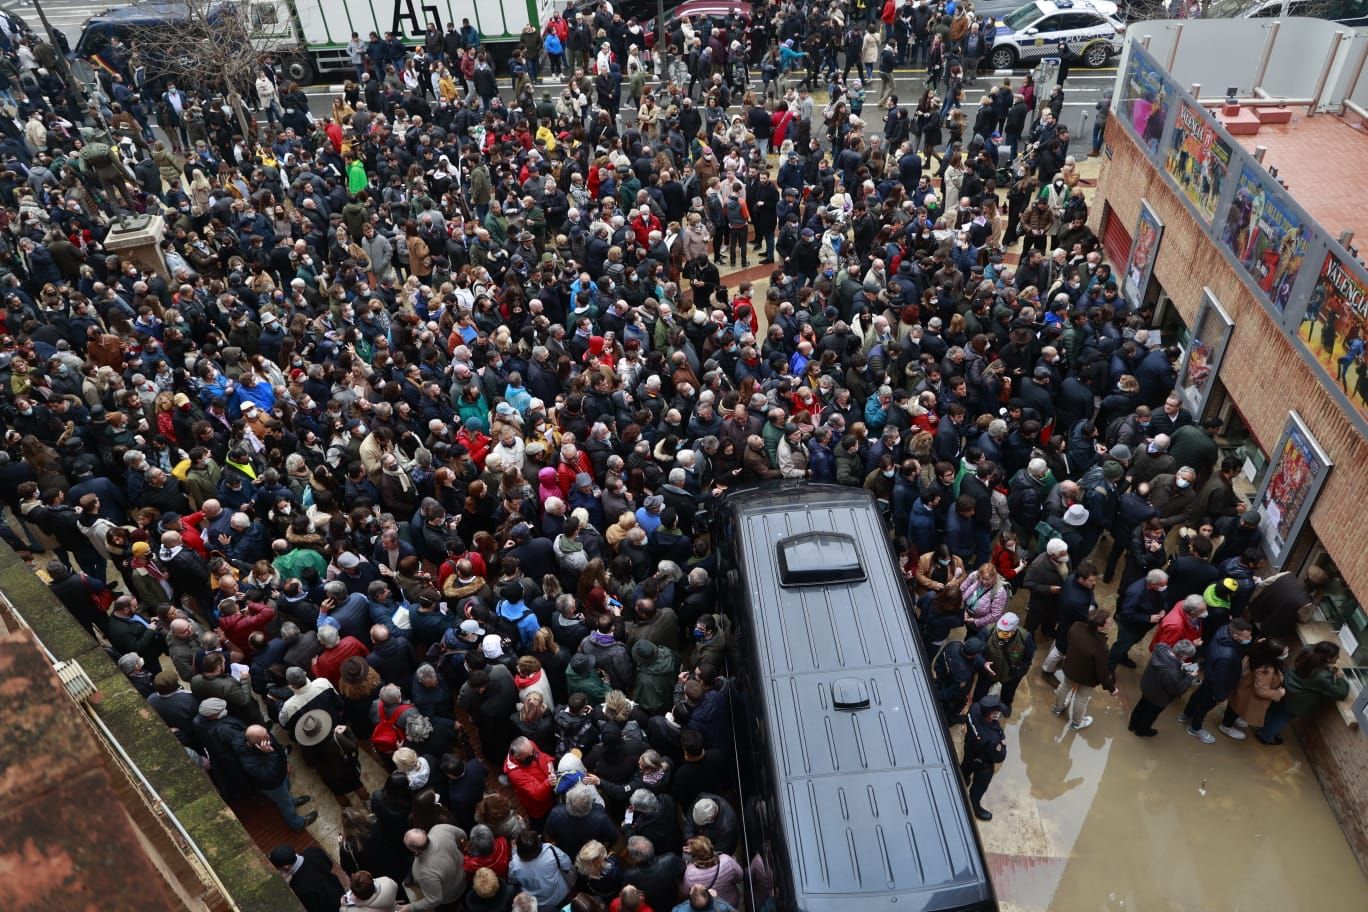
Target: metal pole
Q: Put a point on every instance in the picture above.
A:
(1346, 237)
(1259, 153)
(1173, 51)
(1358, 74)
(1273, 28)
(1325, 74)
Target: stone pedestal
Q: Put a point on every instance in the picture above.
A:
(138, 241)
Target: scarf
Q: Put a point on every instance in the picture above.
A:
(143, 563)
(529, 681)
(602, 639)
(405, 483)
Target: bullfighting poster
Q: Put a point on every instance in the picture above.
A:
(1198, 158)
(1297, 469)
(1266, 234)
(1144, 248)
(1333, 327)
(1145, 98)
(1202, 359)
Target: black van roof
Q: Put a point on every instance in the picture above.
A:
(872, 807)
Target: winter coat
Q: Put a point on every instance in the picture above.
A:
(985, 744)
(1224, 657)
(983, 606)
(1258, 689)
(657, 668)
(1086, 662)
(1010, 658)
(1304, 694)
(1164, 679)
(1174, 627)
(1074, 604)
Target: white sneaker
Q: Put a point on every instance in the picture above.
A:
(1232, 733)
(1241, 723)
(1202, 735)
(1082, 723)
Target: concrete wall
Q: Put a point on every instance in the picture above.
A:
(1219, 53)
(252, 884)
(1265, 376)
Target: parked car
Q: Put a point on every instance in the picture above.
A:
(1091, 29)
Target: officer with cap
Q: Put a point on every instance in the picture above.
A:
(985, 746)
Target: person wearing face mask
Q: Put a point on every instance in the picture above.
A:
(1260, 688)
(1223, 666)
(1171, 672)
(1009, 652)
(1140, 607)
(1175, 498)
(1182, 622)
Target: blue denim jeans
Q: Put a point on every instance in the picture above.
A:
(280, 796)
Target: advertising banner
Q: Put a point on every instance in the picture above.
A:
(1266, 235)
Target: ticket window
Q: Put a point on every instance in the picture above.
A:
(1343, 611)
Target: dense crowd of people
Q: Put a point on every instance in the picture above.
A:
(410, 449)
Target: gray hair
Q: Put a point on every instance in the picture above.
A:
(678, 477)
(426, 672)
(580, 801)
(391, 695)
(1194, 605)
(1184, 649)
(644, 802)
(640, 850)
(336, 590)
(418, 727)
(524, 902)
(296, 677)
(481, 840)
(329, 636)
(1156, 578)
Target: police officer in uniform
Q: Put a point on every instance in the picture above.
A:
(985, 746)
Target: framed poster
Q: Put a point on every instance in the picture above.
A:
(1334, 327)
(1146, 95)
(1198, 158)
(1297, 469)
(1266, 234)
(1210, 335)
(1140, 261)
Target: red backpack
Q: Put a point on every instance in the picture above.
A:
(387, 738)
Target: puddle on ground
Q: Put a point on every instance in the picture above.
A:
(1102, 820)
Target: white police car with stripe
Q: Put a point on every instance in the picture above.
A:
(1091, 29)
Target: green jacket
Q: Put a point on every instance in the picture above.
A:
(591, 685)
(657, 670)
(356, 177)
(291, 564)
(1304, 694)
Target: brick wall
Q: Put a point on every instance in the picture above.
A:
(1266, 377)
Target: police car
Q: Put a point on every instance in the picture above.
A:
(1092, 30)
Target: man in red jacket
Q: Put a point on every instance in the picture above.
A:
(239, 623)
(1183, 622)
(336, 650)
(532, 773)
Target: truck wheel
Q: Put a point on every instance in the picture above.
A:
(1004, 58)
(300, 70)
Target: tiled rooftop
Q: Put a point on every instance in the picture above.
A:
(1324, 161)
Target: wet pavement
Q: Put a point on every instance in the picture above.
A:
(1102, 820)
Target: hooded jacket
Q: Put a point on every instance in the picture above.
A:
(656, 669)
